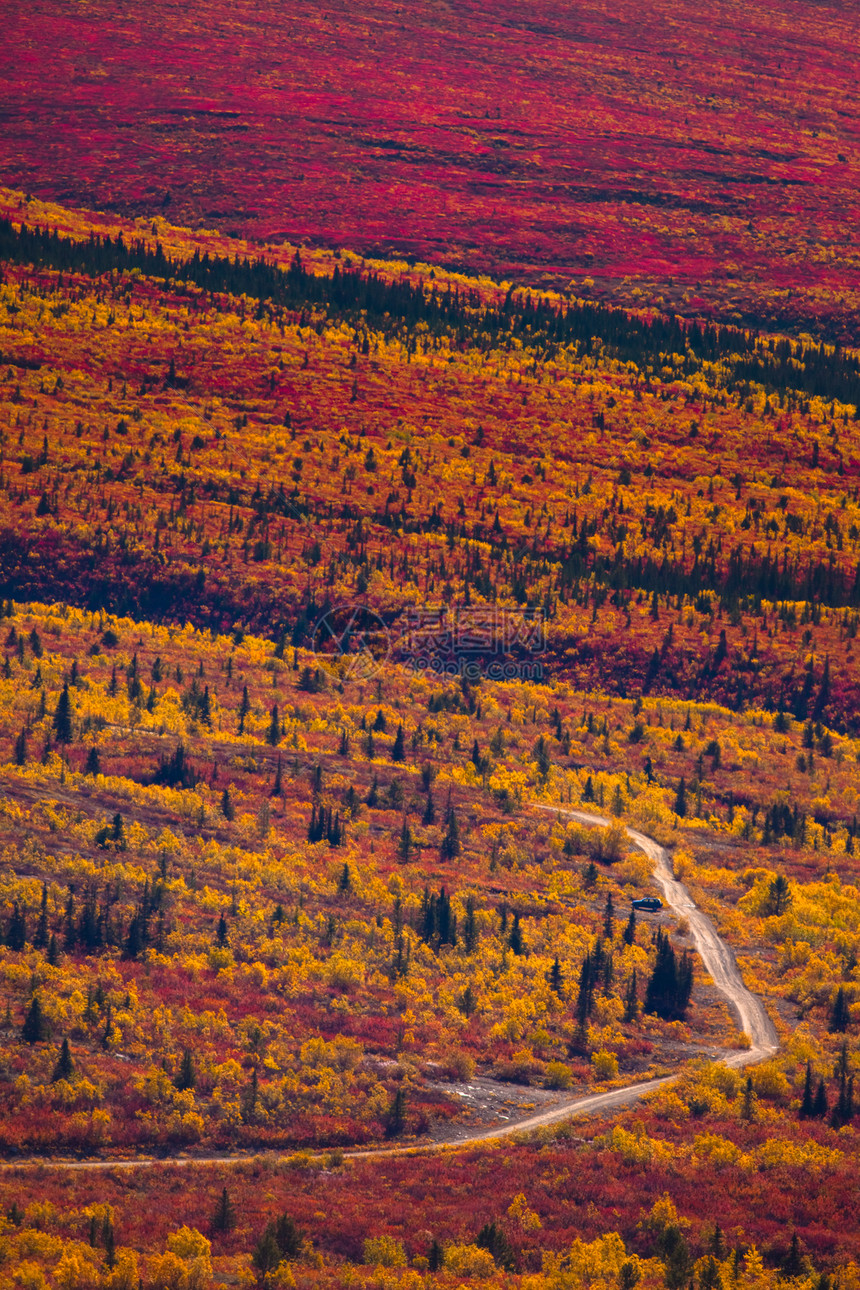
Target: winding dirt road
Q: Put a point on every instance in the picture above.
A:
(715, 954)
(718, 959)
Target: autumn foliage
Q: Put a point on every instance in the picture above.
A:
(316, 618)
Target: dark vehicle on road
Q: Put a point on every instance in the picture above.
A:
(647, 902)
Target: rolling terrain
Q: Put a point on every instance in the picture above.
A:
(429, 521)
(705, 157)
(317, 573)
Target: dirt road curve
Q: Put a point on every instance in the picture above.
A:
(715, 954)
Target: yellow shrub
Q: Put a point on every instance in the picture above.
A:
(558, 1075)
(469, 1261)
(769, 1081)
(604, 1065)
(75, 1272)
(384, 1252)
(519, 1211)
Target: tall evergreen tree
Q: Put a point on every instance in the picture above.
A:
(630, 930)
(609, 918)
(807, 1105)
(224, 1215)
(585, 990)
(493, 1239)
(516, 937)
(397, 1114)
(429, 816)
(273, 735)
(667, 994)
(404, 845)
(35, 1028)
(840, 1014)
(62, 722)
(681, 798)
(40, 939)
(631, 999)
(65, 1066)
(267, 1256)
(16, 932)
(451, 841)
(227, 808)
(244, 709)
(186, 1076)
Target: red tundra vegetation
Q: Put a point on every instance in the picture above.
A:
(705, 155)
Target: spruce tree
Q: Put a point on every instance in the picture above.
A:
(681, 798)
(630, 930)
(117, 834)
(397, 1114)
(451, 841)
(397, 749)
(493, 1239)
(843, 1110)
(542, 758)
(224, 1216)
(227, 808)
(244, 709)
(16, 932)
(34, 1029)
(186, 1076)
(429, 816)
(267, 1254)
(516, 937)
(65, 1067)
(62, 723)
(662, 986)
(807, 1105)
(273, 735)
(109, 1244)
(585, 990)
(631, 999)
(840, 1014)
(609, 918)
(288, 1236)
(792, 1264)
(40, 939)
(404, 845)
